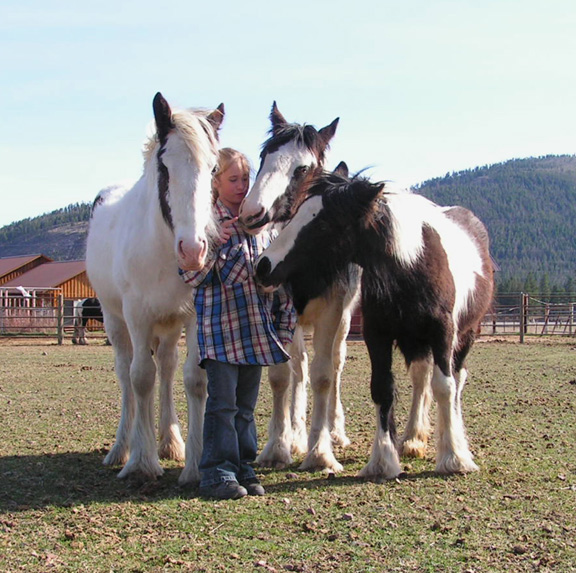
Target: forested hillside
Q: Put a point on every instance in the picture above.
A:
(529, 207)
(60, 234)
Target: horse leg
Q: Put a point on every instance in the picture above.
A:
(76, 316)
(320, 454)
(118, 334)
(457, 457)
(277, 451)
(453, 454)
(171, 444)
(384, 462)
(143, 458)
(460, 373)
(195, 385)
(299, 366)
(415, 438)
(335, 408)
(82, 332)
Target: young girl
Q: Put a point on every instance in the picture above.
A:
(240, 330)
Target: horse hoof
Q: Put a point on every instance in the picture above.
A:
(414, 449)
(340, 440)
(116, 457)
(189, 477)
(321, 462)
(274, 456)
(172, 451)
(453, 465)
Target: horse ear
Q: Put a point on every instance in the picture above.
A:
(163, 116)
(327, 133)
(216, 118)
(342, 169)
(276, 118)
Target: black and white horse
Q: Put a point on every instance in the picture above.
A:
(85, 310)
(290, 159)
(427, 282)
(137, 239)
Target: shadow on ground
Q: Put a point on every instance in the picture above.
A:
(73, 478)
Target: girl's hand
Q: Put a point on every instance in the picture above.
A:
(226, 229)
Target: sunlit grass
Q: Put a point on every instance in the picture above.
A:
(61, 510)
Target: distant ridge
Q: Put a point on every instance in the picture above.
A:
(60, 234)
(528, 205)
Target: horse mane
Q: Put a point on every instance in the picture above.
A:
(189, 123)
(344, 192)
(304, 134)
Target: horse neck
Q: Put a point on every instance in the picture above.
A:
(147, 214)
(372, 242)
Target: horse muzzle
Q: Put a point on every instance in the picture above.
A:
(267, 277)
(192, 257)
(253, 224)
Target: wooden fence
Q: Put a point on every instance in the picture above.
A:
(49, 314)
(532, 316)
(38, 314)
(519, 315)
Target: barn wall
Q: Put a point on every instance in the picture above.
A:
(77, 287)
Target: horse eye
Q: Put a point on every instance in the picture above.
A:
(301, 170)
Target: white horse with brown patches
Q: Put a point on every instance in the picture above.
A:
(427, 282)
(137, 240)
(290, 159)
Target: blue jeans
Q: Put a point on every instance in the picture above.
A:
(230, 440)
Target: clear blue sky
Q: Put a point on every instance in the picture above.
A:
(422, 87)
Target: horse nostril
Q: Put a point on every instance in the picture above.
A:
(264, 267)
(257, 216)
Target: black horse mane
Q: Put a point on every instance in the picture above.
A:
(330, 182)
(354, 194)
(302, 134)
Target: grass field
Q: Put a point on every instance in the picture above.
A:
(61, 510)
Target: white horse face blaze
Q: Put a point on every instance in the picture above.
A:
(278, 250)
(272, 181)
(189, 199)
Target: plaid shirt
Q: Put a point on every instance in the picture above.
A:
(237, 322)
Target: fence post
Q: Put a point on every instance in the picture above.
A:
(522, 317)
(60, 315)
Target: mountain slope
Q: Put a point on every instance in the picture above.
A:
(60, 234)
(529, 208)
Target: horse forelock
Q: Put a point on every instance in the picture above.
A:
(199, 138)
(197, 133)
(195, 130)
(306, 135)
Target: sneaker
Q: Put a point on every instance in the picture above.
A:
(224, 490)
(253, 487)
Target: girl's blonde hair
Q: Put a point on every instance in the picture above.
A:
(226, 157)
